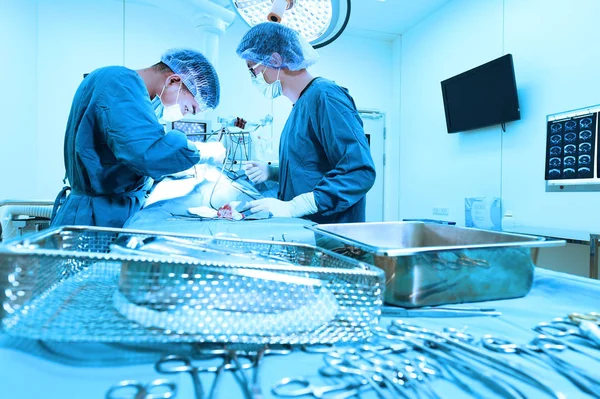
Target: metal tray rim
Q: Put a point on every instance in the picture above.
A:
(391, 251)
(15, 248)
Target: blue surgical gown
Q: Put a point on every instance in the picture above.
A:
(323, 148)
(114, 147)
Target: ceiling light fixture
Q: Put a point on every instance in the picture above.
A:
(319, 21)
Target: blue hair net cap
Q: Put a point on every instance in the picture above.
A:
(264, 39)
(197, 74)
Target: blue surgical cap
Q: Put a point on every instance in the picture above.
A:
(197, 74)
(264, 39)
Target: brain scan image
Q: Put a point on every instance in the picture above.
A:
(583, 171)
(554, 162)
(555, 139)
(570, 149)
(570, 161)
(570, 125)
(585, 159)
(569, 172)
(570, 137)
(556, 150)
(585, 148)
(554, 173)
(556, 127)
(585, 123)
(585, 135)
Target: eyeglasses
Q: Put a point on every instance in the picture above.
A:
(252, 71)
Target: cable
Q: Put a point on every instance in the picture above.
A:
(246, 150)
(217, 182)
(237, 146)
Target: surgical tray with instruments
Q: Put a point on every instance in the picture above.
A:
(429, 264)
(88, 284)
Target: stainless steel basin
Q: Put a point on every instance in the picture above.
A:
(433, 264)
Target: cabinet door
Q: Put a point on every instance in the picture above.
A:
(374, 129)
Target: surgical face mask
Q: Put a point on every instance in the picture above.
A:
(171, 113)
(269, 90)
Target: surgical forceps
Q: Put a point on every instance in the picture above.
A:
(593, 317)
(284, 388)
(455, 343)
(585, 326)
(130, 389)
(349, 364)
(561, 329)
(320, 348)
(399, 373)
(253, 353)
(174, 364)
(589, 325)
(438, 312)
(462, 260)
(404, 368)
(254, 388)
(448, 361)
(544, 344)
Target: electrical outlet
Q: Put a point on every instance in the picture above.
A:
(441, 211)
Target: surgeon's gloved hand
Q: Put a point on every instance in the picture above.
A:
(301, 205)
(260, 172)
(212, 152)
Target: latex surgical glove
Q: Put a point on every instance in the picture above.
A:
(301, 205)
(212, 152)
(260, 172)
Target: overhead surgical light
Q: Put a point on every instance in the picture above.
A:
(319, 21)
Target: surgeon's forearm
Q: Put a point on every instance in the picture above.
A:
(304, 204)
(337, 192)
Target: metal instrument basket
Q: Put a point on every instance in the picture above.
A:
(61, 285)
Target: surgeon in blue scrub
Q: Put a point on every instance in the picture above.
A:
(114, 144)
(325, 166)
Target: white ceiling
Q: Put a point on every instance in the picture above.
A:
(391, 16)
(388, 17)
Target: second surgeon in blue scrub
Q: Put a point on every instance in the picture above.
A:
(115, 145)
(325, 166)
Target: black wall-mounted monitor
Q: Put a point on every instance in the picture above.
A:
(483, 96)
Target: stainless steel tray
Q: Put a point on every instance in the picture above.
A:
(66, 284)
(432, 264)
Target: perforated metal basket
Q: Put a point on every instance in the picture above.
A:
(65, 284)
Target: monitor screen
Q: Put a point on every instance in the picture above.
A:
(483, 96)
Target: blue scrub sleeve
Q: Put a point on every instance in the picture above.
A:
(343, 139)
(135, 136)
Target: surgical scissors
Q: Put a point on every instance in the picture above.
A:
(544, 344)
(131, 389)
